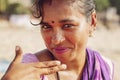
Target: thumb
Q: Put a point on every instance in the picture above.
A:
(18, 55)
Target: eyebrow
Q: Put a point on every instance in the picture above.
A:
(45, 23)
(66, 20)
(61, 21)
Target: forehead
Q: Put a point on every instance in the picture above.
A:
(55, 4)
(63, 8)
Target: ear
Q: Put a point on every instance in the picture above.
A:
(93, 22)
(93, 19)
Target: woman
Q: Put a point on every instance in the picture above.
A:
(65, 26)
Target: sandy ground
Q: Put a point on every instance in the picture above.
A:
(107, 42)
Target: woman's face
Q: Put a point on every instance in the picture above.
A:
(64, 30)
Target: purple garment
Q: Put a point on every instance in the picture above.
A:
(29, 58)
(95, 68)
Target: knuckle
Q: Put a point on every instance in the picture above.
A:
(53, 70)
(60, 67)
(42, 64)
(45, 63)
(51, 63)
(37, 64)
(34, 71)
(50, 71)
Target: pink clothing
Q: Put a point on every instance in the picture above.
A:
(28, 58)
(96, 67)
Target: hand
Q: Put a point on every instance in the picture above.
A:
(30, 71)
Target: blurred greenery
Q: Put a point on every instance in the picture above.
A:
(7, 8)
(17, 8)
(102, 5)
(3, 6)
(116, 3)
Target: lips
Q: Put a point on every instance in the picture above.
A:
(61, 50)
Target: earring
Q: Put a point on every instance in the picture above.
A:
(91, 32)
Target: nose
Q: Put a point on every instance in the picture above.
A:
(57, 38)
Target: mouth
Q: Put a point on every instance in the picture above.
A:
(60, 50)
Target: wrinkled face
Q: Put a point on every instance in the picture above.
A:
(64, 30)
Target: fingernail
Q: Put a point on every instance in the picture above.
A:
(17, 48)
(58, 62)
(64, 66)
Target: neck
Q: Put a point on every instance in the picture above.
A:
(77, 64)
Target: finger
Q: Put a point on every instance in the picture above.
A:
(51, 70)
(18, 55)
(46, 64)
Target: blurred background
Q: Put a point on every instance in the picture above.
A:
(15, 29)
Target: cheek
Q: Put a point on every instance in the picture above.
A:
(72, 37)
(78, 37)
(46, 38)
(82, 38)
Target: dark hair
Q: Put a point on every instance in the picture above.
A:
(86, 6)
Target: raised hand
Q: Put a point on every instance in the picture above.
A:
(30, 71)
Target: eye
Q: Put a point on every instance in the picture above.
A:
(68, 26)
(45, 27)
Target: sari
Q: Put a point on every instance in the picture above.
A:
(97, 67)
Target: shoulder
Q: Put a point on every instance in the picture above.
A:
(114, 68)
(44, 55)
(29, 57)
(106, 64)
(110, 65)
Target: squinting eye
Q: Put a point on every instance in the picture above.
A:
(68, 26)
(45, 27)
